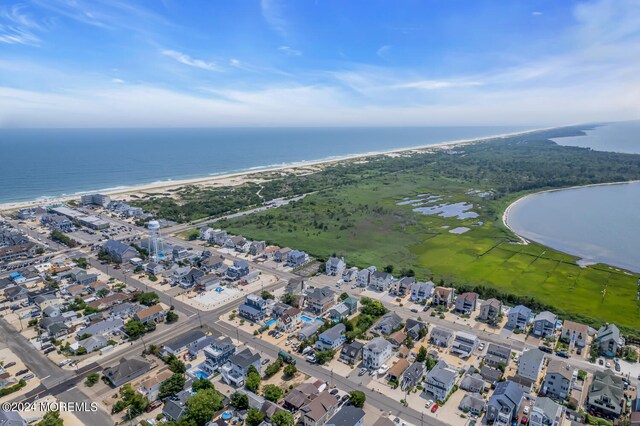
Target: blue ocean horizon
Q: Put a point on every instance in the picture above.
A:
(49, 163)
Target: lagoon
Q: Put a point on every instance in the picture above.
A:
(600, 224)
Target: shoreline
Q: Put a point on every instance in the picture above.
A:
(171, 184)
(580, 260)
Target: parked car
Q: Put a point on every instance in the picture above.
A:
(414, 310)
(600, 362)
(29, 376)
(10, 364)
(265, 361)
(153, 406)
(434, 408)
(617, 367)
(49, 350)
(334, 391)
(362, 372)
(21, 372)
(428, 404)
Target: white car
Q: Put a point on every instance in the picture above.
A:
(526, 409)
(428, 404)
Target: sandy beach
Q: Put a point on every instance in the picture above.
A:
(255, 175)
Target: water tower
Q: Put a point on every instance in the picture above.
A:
(156, 246)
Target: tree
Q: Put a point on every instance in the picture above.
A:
(322, 357)
(81, 351)
(422, 354)
(177, 366)
(273, 368)
(288, 299)
(84, 336)
(290, 370)
(172, 385)
(388, 269)
(344, 296)
(254, 417)
(135, 402)
(253, 381)
(272, 392)
(171, 317)
(52, 418)
(202, 406)
(200, 384)
(92, 379)
(282, 418)
(102, 292)
(239, 401)
(357, 398)
(134, 329)
(266, 295)
(148, 298)
(81, 262)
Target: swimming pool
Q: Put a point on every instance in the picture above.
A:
(307, 319)
(201, 374)
(271, 322)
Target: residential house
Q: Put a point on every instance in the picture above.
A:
(464, 344)
(16, 294)
(351, 353)
(394, 374)
(151, 387)
(465, 303)
(181, 343)
(109, 301)
(472, 404)
(211, 263)
(218, 237)
(609, 340)
(257, 247)
(301, 395)
(518, 317)
(179, 253)
(401, 287)
(397, 338)
(153, 268)
(443, 296)
(98, 286)
(234, 372)
(490, 310)
(309, 330)
(281, 255)
(297, 258)
(102, 328)
(335, 266)
(380, 281)
(205, 233)
(575, 333)
(412, 376)
(415, 329)
(440, 380)
(175, 408)
(387, 324)
(10, 253)
(497, 355)
(44, 301)
(441, 336)
(606, 394)
(289, 320)
(558, 380)
(546, 412)
(295, 286)
(490, 374)
(239, 269)
(155, 313)
(504, 404)
(348, 415)
(319, 410)
(319, 300)
(51, 311)
(332, 338)
(364, 276)
(421, 291)
(126, 370)
(75, 290)
(119, 251)
(530, 364)
(340, 312)
(254, 308)
(90, 344)
(124, 310)
(376, 352)
(544, 324)
(217, 354)
(472, 383)
(190, 279)
(350, 274)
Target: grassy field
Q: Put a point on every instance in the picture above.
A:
(364, 223)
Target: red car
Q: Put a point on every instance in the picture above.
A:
(524, 420)
(434, 408)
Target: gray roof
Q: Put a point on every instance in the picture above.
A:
(442, 373)
(245, 358)
(472, 381)
(607, 383)
(347, 416)
(499, 351)
(184, 340)
(472, 402)
(520, 309)
(608, 332)
(546, 316)
(442, 333)
(126, 368)
(533, 356)
(321, 293)
(383, 275)
(175, 408)
(391, 319)
(310, 329)
(334, 333)
(115, 246)
(548, 406)
(507, 393)
(352, 349)
(414, 372)
(377, 344)
(102, 326)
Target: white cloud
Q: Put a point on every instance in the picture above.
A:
(290, 51)
(536, 13)
(192, 62)
(437, 84)
(17, 26)
(272, 11)
(383, 52)
(117, 81)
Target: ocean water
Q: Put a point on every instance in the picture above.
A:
(39, 163)
(596, 223)
(616, 137)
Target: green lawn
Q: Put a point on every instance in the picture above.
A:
(363, 222)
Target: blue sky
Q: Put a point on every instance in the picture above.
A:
(155, 63)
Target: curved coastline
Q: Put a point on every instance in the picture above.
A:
(524, 240)
(212, 178)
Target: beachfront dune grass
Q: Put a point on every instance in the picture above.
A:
(362, 221)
